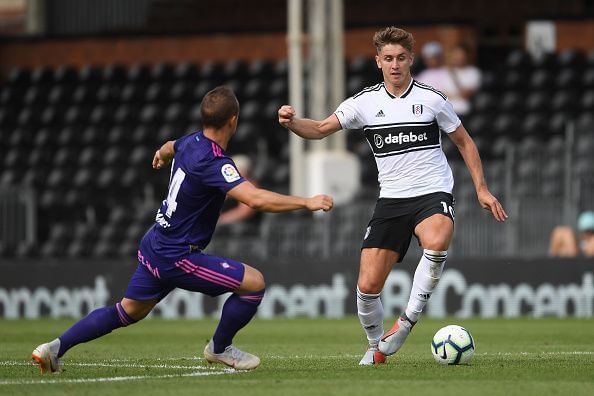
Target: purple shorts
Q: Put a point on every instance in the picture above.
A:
(198, 272)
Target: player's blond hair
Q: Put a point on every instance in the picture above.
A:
(393, 35)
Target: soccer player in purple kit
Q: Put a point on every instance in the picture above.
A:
(170, 254)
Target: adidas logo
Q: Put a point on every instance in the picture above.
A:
(380, 114)
(424, 296)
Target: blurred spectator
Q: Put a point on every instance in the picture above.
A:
(458, 81)
(234, 211)
(564, 242)
(435, 74)
(465, 79)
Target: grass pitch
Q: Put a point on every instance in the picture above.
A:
(304, 357)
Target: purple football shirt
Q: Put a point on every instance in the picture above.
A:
(201, 176)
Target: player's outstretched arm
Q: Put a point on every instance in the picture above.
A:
(472, 159)
(306, 128)
(268, 201)
(164, 155)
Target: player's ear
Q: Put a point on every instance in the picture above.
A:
(377, 61)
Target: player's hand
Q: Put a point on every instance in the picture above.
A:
(285, 115)
(489, 202)
(324, 202)
(159, 161)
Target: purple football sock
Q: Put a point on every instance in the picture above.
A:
(237, 312)
(96, 324)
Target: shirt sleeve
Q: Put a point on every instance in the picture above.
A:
(447, 119)
(349, 116)
(181, 142)
(221, 173)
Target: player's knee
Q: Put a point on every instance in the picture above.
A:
(136, 310)
(370, 287)
(436, 242)
(253, 280)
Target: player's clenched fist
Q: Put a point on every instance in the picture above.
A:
(285, 115)
(158, 161)
(324, 202)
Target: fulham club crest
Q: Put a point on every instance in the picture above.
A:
(417, 109)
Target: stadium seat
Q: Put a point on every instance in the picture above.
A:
(568, 78)
(261, 69)
(279, 90)
(564, 101)
(163, 73)
(42, 76)
(84, 94)
(255, 88)
(491, 82)
(572, 59)
(115, 73)
(65, 75)
(559, 121)
(535, 123)
(518, 60)
(158, 92)
(587, 100)
(181, 91)
(187, 72)
(281, 69)
(515, 80)
(483, 102)
(90, 75)
(506, 124)
(213, 72)
(60, 95)
(512, 102)
(19, 77)
(236, 69)
(547, 61)
(542, 80)
(139, 74)
(538, 101)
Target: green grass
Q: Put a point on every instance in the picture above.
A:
(305, 357)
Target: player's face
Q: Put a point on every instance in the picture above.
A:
(395, 62)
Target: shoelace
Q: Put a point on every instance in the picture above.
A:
(237, 353)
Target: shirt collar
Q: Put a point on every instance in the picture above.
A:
(405, 94)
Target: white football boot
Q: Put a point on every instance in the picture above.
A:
(372, 357)
(47, 360)
(232, 357)
(392, 341)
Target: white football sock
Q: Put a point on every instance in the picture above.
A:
(371, 315)
(425, 280)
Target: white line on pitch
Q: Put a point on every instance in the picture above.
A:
(113, 379)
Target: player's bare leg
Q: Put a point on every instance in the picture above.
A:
(435, 234)
(375, 266)
(98, 323)
(238, 310)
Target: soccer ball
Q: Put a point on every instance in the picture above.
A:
(452, 345)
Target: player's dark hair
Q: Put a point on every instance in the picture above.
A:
(218, 106)
(393, 35)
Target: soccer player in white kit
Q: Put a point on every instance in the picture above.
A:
(402, 119)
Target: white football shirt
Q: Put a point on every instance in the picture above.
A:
(404, 136)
